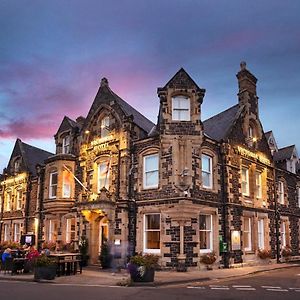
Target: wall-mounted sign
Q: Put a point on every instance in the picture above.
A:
(235, 240)
(247, 153)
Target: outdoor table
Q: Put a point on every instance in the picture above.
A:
(18, 264)
(67, 263)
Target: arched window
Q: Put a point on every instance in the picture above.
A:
(104, 127)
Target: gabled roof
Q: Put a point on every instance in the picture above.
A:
(106, 95)
(66, 124)
(182, 80)
(284, 153)
(31, 155)
(218, 126)
(268, 134)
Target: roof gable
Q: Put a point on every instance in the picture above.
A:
(67, 124)
(285, 153)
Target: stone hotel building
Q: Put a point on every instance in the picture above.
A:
(179, 188)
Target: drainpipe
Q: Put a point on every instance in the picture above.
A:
(41, 178)
(277, 216)
(27, 204)
(224, 202)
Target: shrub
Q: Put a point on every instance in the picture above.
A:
(264, 253)
(49, 245)
(147, 260)
(44, 261)
(208, 258)
(286, 251)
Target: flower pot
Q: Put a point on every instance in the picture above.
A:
(141, 273)
(47, 272)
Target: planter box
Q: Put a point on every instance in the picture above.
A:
(142, 274)
(47, 273)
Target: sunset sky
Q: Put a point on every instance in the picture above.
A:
(53, 55)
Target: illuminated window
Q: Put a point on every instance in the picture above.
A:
(103, 175)
(67, 177)
(8, 202)
(261, 234)
(207, 176)
(152, 233)
(245, 181)
(104, 127)
(66, 144)
(283, 233)
(181, 108)
(205, 233)
(53, 185)
(6, 232)
(258, 181)
(150, 176)
(17, 231)
(52, 230)
(19, 199)
(281, 192)
(247, 234)
(70, 230)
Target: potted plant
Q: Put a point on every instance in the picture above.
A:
(264, 254)
(105, 256)
(208, 259)
(142, 267)
(44, 268)
(83, 249)
(286, 252)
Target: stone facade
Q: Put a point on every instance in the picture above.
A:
(180, 189)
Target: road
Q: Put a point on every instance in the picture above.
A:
(279, 284)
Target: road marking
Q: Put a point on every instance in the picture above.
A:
(297, 288)
(219, 288)
(241, 286)
(196, 287)
(277, 290)
(246, 289)
(270, 287)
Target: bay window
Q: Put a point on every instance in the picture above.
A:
(205, 233)
(53, 185)
(150, 174)
(66, 184)
(152, 233)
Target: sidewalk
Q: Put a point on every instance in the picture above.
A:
(94, 277)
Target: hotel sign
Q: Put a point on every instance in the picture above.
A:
(249, 154)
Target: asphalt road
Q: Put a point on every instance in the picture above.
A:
(280, 284)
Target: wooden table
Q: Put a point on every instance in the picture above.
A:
(67, 263)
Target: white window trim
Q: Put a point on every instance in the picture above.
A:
(247, 192)
(208, 250)
(261, 233)
(281, 192)
(107, 177)
(69, 229)
(210, 186)
(19, 200)
(283, 233)
(6, 232)
(15, 232)
(66, 195)
(51, 230)
(50, 185)
(249, 220)
(146, 250)
(258, 175)
(181, 109)
(8, 204)
(66, 146)
(145, 186)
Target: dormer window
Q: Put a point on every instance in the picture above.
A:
(17, 165)
(66, 145)
(250, 132)
(181, 108)
(104, 127)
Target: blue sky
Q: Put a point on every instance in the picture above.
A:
(53, 55)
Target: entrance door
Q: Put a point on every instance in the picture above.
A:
(103, 237)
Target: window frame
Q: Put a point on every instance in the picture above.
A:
(51, 185)
(19, 198)
(261, 234)
(17, 234)
(6, 232)
(281, 192)
(210, 172)
(151, 250)
(146, 172)
(283, 235)
(8, 201)
(210, 249)
(178, 109)
(247, 184)
(249, 233)
(104, 127)
(64, 184)
(107, 176)
(258, 185)
(69, 230)
(66, 146)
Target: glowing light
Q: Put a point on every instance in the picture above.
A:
(15, 179)
(87, 132)
(254, 139)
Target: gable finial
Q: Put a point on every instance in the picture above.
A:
(243, 65)
(104, 82)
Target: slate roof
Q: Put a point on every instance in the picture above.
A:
(284, 153)
(106, 95)
(268, 134)
(217, 127)
(66, 124)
